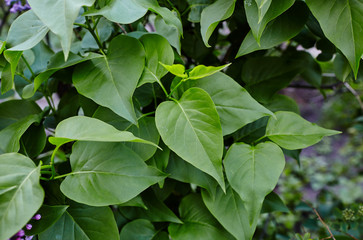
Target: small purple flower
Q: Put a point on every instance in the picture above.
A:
(29, 237)
(28, 226)
(17, 6)
(37, 217)
(21, 233)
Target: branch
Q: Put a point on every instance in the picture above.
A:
(355, 93)
(332, 86)
(321, 220)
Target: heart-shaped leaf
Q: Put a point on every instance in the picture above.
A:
(107, 173)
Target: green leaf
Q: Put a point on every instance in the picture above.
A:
(26, 31)
(260, 12)
(212, 15)
(14, 110)
(196, 8)
(191, 128)
(120, 11)
(283, 28)
(341, 22)
(109, 117)
(176, 69)
(95, 165)
(199, 224)
(280, 102)
(157, 50)
(170, 32)
(24, 195)
(50, 215)
(114, 76)
(229, 209)
(202, 71)
(8, 73)
(10, 136)
(83, 222)
(83, 128)
(273, 203)
(33, 140)
(235, 106)
(291, 131)
(137, 230)
(341, 67)
(59, 16)
(156, 210)
(264, 76)
(183, 171)
(56, 63)
(253, 172)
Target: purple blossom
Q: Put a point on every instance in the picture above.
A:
(37, 217)
(28, 226)
(17, 6)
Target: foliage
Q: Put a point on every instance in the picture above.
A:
(170, 121)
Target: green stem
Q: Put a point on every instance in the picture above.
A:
(52, 162)
(98, 41)
(146, 114)
(259, 139)
(176, 87)
(44, 179)
(46, 172)
(62, 176)
(81, 25)
(23, 76)
(46, 167)
(28, 66)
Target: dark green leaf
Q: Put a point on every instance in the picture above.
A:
(8, 73)
(139, 229)
(273, 203)
(281, 102)
(196, 8)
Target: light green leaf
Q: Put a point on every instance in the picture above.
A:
(114, 77)
(56, 63)
(155, 211)
(176, 69)
(26, 31)
(341, 22)
(199, 224)
(121, 11)
(229, 209)
(283, 28)
(291, 131)
(10, 136)
(253, 172)
(212, 15)
(83, 128)
(260, 12)
(83, 222)
(281, 102)
(97, 165)
(202, 71)
(185, 172)
(137, 230)
(191, 128)
(235, 106)
(59, 16)
(8, 73)
(157, 50)
(24, 197)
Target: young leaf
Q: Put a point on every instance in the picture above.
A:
(26, 31)
(191, 128)
(138, 229)
(83, 222)
(283, 28)
(291, 131)
(59, 16)
(90, 129)
(24, 195)
(341, 22)
(176, 69)
(258, 17)
(202, 71)
(230, 211)
(212, 15)
(157, 50)
(253, 172)
(199, 224)
(107, 173)
(114, 77)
